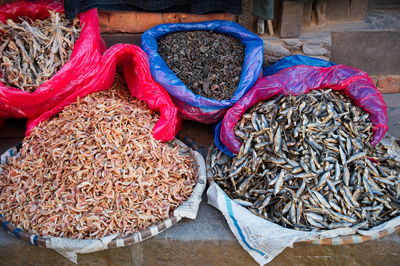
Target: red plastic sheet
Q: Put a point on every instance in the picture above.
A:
(82, 66)
(136, 70)
(300, 80)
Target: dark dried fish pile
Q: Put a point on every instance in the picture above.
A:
(95, 170)
(306, 163)
(208, 63)
(31, 52)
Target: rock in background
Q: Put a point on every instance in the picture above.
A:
(316, 45)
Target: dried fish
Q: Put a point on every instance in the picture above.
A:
(324, 179)
(95, 170)
(33, 51)
(208, 63)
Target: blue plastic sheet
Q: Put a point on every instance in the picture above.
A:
(295, 60)
(190, 105)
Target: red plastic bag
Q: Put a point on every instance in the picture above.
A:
(81, 67)
(300, 80)
(136, 70)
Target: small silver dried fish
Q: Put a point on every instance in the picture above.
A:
(315, 167)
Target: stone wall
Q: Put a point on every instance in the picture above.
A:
(315, 45)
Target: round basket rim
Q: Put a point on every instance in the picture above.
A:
(338, 240)
(132, 238)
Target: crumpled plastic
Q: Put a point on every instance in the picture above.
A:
(295, 60)
(190, 105)
(301, 79)
(287, 61)
(81, 67)
(135, 68)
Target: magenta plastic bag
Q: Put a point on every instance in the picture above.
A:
(301, 79)
(83, 64)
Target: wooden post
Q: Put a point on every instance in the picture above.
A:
(290, 20)
(307, 13)
(270, 27)
(346, 9)
(358, 9)
(138, 22)
(338, 10)
(320, 7)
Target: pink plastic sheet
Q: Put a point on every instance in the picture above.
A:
(81, 67)
(301, 79)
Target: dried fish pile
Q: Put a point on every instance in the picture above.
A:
(306, 163)
(31, 52)
(208, 63)
(95, 170)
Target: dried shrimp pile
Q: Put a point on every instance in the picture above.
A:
(306, 163)
(94, 170)
(31, 52)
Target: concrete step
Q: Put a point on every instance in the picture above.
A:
(371, 45)
(376, 52)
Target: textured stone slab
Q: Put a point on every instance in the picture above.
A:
(376, 52)
(393, 108)
(316, 45)
(273, 51)
(314, 49)
(291, 19)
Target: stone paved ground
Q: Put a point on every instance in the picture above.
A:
(207, 240)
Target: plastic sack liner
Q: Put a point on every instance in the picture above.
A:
(82, 65)
(295, 60)
(69, 248)
(141, 85)
(300, 80)
(264, 240)
(217, 140)
(288, 61)
(193, 106)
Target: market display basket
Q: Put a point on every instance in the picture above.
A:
(71, 247)
(353, 239)
(264, 246)
(356, 238)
